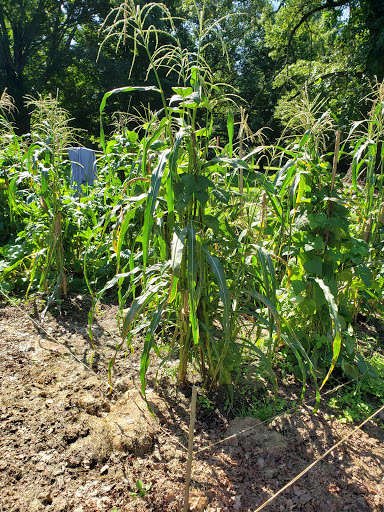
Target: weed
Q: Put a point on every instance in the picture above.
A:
(142, 489)
(205, 403)
(361, 399)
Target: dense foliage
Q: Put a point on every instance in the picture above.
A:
(266, 51)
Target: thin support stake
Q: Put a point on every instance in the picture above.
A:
(190, 448)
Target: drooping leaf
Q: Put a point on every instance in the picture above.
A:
(264, 300)
(301, 355)
(117, 91)
(336, 324)
(139, 303)
(149, 337)
(221, 195)
(225, 296)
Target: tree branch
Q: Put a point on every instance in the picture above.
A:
(330, 4)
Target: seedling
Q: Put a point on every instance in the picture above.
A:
(141, 488)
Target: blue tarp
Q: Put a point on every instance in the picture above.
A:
(83, 168)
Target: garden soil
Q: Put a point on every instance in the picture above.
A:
(69, 443)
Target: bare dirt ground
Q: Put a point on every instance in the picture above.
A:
(68, 444)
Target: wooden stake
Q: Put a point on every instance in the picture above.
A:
(190, 448)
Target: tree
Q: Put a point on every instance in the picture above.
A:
(36, 42)
(358, 27)
(239, 55)
(336, 46)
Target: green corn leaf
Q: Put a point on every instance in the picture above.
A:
(44, 180)
(336, 352)
(111, 283)
(301, 355)
(284, 176)
(360, 147)
(336, 324)
(264, 300)
(296, 191)
(152, 201)
(221, 195)
(225, 296)
(173, 289)
(254, 152)
(175, 152)
(117, 91)
(301, 189)
(121, 234)
(331, 303)
(144, 363)
(304, 139)
(139, 303)
(268, 271)
(148, 142)
(226, 300)
(192, 280)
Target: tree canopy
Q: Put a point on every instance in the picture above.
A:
(38, 40)
(266, 50)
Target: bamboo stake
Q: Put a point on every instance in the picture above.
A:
(190, 448)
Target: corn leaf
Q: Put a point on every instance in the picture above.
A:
(336, 325)
(225, 296)
(177, 248)
(117, 91)
(192, 280)
(144, 363)
(139, 303)
(152, 200)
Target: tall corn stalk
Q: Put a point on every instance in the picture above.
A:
(178, 256)
(368, 158)
(51, 133)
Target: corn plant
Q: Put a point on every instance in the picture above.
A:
(173, 223)
(328, 266)
(36, 186)
(368, 158)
